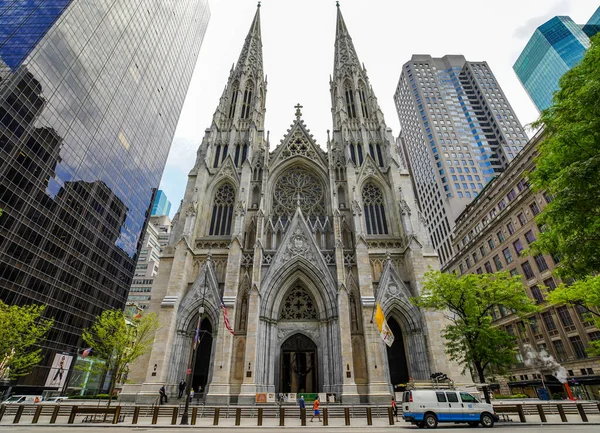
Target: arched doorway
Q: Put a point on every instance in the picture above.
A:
(299, 367)
(203, 356)
(396, 355)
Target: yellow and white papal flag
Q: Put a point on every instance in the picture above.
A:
(384, 329)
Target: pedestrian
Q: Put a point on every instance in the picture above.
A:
(316, 412)
(163, 394)
(302, 405)
(181, 388)
(395, 408)
(192, 395)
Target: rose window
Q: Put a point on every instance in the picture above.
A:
(298, 187)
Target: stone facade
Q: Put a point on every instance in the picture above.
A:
(299, 244)
(490, 236)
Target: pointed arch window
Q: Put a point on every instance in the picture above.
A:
(233, 103)
(350, 106)
(298, 305)
(224, 152)
(217, 154)
(363, 100)
(247, 101)
(222, 213)
(240, 154)
(379, 155)
(359, 151)
(374, 208)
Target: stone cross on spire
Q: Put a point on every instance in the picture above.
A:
(298, 112)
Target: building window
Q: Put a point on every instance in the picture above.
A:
(549, 321)
(511, 228)
(578, 347)
(522, 219)
(530, 237)
(234, 96)
(559, 348)
(222, 213)
(488, 267)
(482, 251)
(374, 210)
(550, 284)
(497, 262)
(527, 270)
(547, 197)
(537, 294)
(540, 261)
(565, 316)
(363, 101)
(491, 244)
(500, 237)
(511, 195)
(594, 336)
(585, 315)
(518, 246)
(514, 272)
(507, 255)
(247, 101)
(350, 107)
(535, 209)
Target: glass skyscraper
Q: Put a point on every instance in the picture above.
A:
(90, 95)
(555, 47)
(161, 206)
(458, 132)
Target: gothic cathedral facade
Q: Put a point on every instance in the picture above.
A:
(298, 245)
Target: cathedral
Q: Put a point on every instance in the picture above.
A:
(297, 246)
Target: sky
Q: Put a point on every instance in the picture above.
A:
(298, 47)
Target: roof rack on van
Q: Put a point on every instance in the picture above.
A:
(430, 384)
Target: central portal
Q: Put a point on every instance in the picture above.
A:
(298, 373)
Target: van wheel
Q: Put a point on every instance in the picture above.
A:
(473, 423)
(487, 420)
(430, 420)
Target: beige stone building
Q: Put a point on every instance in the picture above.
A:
(299, 244)
(490, 235)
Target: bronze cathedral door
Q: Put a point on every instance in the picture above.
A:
(299, 368)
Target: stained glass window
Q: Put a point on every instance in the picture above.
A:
(299, 187)
(374, 210)
(298, 305)
(222, 212)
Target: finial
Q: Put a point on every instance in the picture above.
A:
(337, 4)
(258, 5)
(298, 112)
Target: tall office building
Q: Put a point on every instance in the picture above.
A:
(147, 266)
(90, 95)
(458, 132)
(161, 206)
(555, 47)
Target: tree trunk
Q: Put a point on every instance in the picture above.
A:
(480, 373)
(113, 382)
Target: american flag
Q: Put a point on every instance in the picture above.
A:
(225, 318)
(86, 352)
(197, 336)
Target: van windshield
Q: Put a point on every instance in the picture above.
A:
(468, 398)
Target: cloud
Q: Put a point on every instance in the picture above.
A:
(182, 155)
(526, 30)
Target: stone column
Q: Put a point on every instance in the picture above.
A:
(248, 389)
(349, 391)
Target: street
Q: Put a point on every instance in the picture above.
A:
(529, 428)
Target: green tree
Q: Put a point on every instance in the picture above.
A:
(471, 339)
(582, 293)
(120, 340)
(568, 167)
(21, 329)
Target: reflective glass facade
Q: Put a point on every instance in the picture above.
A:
(555, 47)
(88, 108)
(161, 206)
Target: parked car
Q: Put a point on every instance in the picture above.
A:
(55, 399)
(28, 399)
(427, 408)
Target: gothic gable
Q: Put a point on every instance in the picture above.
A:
(370, 169)
(227, 170)
(299, 245)
(298, 142)
(391, 285)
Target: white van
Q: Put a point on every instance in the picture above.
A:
(26, 399)
(426, 408)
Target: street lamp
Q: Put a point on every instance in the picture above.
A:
(193, 352)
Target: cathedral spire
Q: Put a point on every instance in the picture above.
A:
(345, 54)
(251, 55)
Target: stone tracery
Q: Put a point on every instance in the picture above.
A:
(299, 187)
(298, 305)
